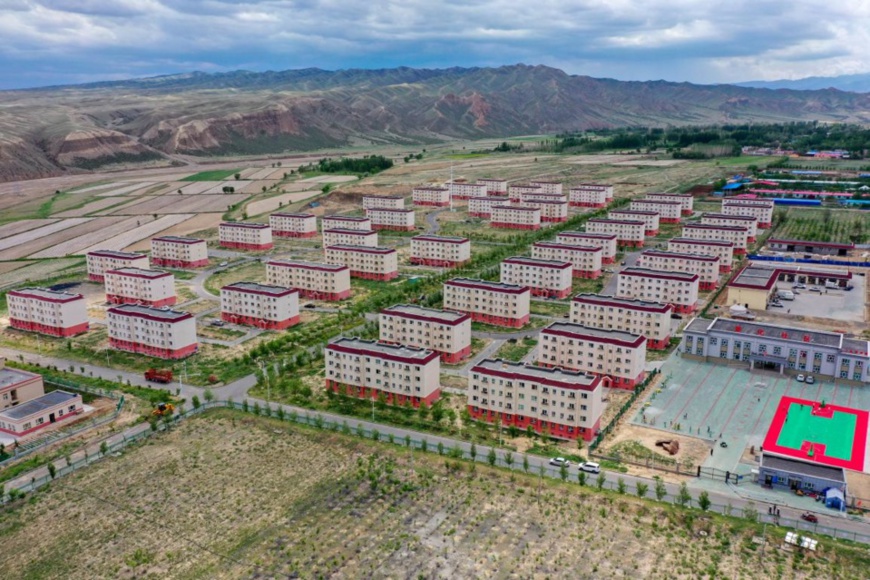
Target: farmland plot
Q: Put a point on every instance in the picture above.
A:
(219, 187)
(98, 187)
(197, 223)
(249, 171)
(130, 237)
(41, 270)
(262, 173)
(274, 203)
(133, 187)
(255, 186)
(36, 234)
(170, 204)
(825, 225)
(106, 230)
(18, 227)
(92, 207)
(197, 187)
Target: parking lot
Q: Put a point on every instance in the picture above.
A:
(829, 303)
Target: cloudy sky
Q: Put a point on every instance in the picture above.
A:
(45, 42)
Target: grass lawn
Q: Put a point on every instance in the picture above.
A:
(551, 308)
(824, 224)
(249, 272)
(515, 351)
(214, 175)
(533, 325)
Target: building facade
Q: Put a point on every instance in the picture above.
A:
(47, 311)
(805, 247)
(760, 209)
(138, 286)
(745, 221)
(313, 279)
(293, 225)
(41, 412)
(260, 305)
(670, 212)
(555, 403)
(482, 206)
(649, 319)
(349, 237)
(465, 190)
(400, 220)
(552, 210)
(516, 192)
(649, 218)
(440, 251)
(366, 369)
(738, 235)
(550, 278)
(101, 260)
(549, 187)
(617, 357)
(686, 199)
(489, 302)
(678, 289)
(17, 386)
(431, 196)
(590, 195)
(377, 263)
(383, 202)
(585, 260)
(157, 332)
(179, 252)
(443, 331)
(629, 233)
(704, 265)
(494, 186)
(515, 217)
(245, 236)
(755, 285)
(723, 249)
(607, 243)
(339, 222)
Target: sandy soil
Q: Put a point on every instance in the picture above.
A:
(254, 186)
(146, 230)
(9, 266)
(262, 173)
(171, 204)
(105, 227)
(272, 204)
(197, 223)
(14, 228)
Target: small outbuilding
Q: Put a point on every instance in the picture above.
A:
(835, 499)
(40, 412)
(786, 473)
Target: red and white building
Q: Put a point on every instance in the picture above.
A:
(738, 235)
(650, 319)
(400, 220)
(629, 233)
(377, 263)
(338, 222)
(157, 332)
(670, 212)
(38, 413)
(447, 333)
(431, 196)
(757, 208)
(482, 206)
(490, 302)
(723, 249)
(440, 251)
(179, 252)
(585, 260)
(590, 195)
(350, 237)
(370, 370)
(554, 402)
(293, 225)
(649, 218)
(101, 260)
(515, 217)
(261, 305)
(383, 202)
(17, 386)
(686, 199)
(138, 286)
(679, 289)
(526, 197)
(245, 236)
(551, 278)
(552, 210)
(551, 187)
(312, 279)
(744, 221)
(617, 357)
(607, 243)
(465, 190)
(494, 186)
(704, 265)
(516, 192)
(47, 311)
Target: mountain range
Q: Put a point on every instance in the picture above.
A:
(51, 130)
(857, 83)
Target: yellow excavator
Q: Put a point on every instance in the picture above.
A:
(163, 409)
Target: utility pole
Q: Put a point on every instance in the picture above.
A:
(450, 187)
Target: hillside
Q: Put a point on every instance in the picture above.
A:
(46, 131)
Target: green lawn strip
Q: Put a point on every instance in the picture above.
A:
(515, 351)
(213, 175)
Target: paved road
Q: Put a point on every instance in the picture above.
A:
(487, 352)
(432, 225)
(630, 259)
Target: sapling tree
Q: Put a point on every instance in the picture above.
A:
(620, 486)
(684, 498)
(600, 481)
(581, 477)
(563, 472)
(704, 501)
(660, 489)
(491, 457)
(641, 489)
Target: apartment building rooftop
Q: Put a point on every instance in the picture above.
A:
(427, 314)
(362, 249)
(350, 232)
(396, 352)
(10, 377)
(294, 215)
(629, 303)
(723, 243)
(659, 274)
(572, 247)
(553, 377)
(538, 262)
(140, 273)
(308, 265)
(164, 314)
(573, 330)
(116, 254)
(46, 294)
(257, 288)
(487, 285)
(682, 255)
(251, 226)
(445, 239)
(177, 240)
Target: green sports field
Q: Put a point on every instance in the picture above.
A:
(836, 433)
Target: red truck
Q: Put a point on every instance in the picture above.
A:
(158, 376)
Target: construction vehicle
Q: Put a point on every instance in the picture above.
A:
(163, 409)
(158, 376)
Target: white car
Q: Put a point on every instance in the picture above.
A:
(800, 286)
(800, 378)
(811, 380)
(591, 467)
(559, 461)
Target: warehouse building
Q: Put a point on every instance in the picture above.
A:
(755, 284)
(607, 243)
(158, 332)
(431, 196)
(399, 220)
(590, 195)
(260, 305)
(179, 252)
(101, 260)
(440, 251)
(383, 202)
(443, 331)
(312, 279)
(350, 237)
(649, 218)
(293, 225)
(630, 233)
(489, 302)
(723, 249)
(377, 263)
(550, 278)
(805, 247)
(515, 217)
(678, 289)
(138, 286)
(338, 222)
(649, 319)
(45, 311)
(245, 236)
(705, 266)
(585, 260)
(745, 221)
(738, 235)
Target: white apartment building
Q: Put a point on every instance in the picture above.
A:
(706, 266)
(494, 186)
(445, 332)
(590, 195)
(101, 260)
(350, 237)
(552, 187)
(260, 305)
(383, 202)
(431, 196)
(370, 370)
(377, 263)
(401, 220)
(245, 236)
(515, 217)
(607, 243)
(649, 218)
(670, 212)
(630, 233)
(293, 225)
(686, 199)
(527, 197)
(312, 279)
(482, 206)
(552, 210)
(138, 286)
(585, 260)
(465, 190)
(554, 402)
(750, 222)
(618, 357)
(489, 302)
(551, 278)
(738, 235)
(721, 248)
(679, 289)
(516, 192)
(337, 222)
(179, 252)
(440, 251)
(47, 311)
(763, 210)
(157, 332)
(650, 319)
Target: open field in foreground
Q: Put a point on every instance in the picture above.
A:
(209, 500)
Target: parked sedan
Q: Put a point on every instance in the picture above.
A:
(800, 378)
(559, 461)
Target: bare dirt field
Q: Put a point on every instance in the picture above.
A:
(33, 271)
(127, 189)
(274, 203)
(146, 230)
(104, 227)
(197, 187)
(18, 227)
(92, 207)
(170, 204)
(36, 233)
(262, 173)
(196, 223)
(254, 186)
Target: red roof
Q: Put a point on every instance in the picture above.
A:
(244, 225)
(489, 286)
(570, 247)
(539, 262)
(627, 303)
(660, 275)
